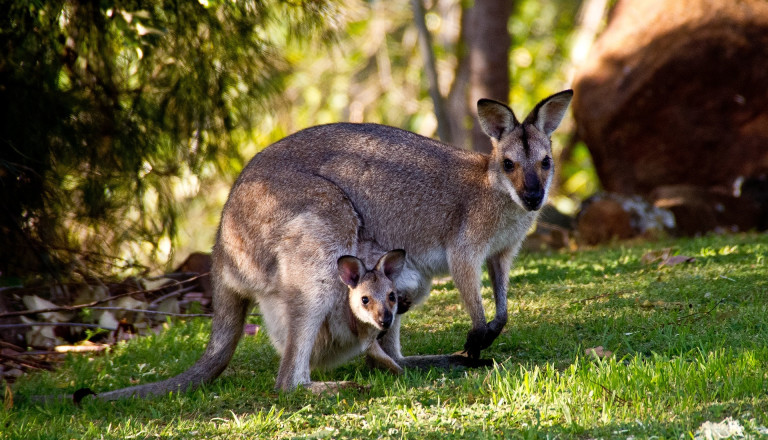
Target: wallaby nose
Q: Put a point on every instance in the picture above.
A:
(386, 319)
(532, 199)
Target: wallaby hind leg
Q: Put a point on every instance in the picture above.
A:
(303, 327)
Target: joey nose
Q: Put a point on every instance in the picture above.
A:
(386, 319)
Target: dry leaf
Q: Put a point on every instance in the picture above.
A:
(40, 336)
(88, 294)
(169, 305)
(665, 258)
(8, 398)
(661, 304)
(251, 329)
(34, 302)
(107, 320)
(654, 256)
(598, 352)
(84, 347)
(677, 259)
(156, 283)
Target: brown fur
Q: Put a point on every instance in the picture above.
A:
(330, 191)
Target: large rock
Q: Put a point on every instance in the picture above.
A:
(676, 92)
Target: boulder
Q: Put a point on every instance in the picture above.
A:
(698, 210)
(675, 92)
(608, 216)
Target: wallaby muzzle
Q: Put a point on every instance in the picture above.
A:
(385, 321)
(532, 195)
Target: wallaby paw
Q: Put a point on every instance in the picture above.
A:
(462, 358)
(376, 364)
(319, 388)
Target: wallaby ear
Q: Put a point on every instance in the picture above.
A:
(495, 118)
(392, 263)
(351, 270)
(548, 114)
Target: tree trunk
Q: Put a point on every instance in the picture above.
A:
(488, 43)
(425, 45)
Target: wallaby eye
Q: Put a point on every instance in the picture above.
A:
(365, 300)
(392, 296)
(546, 163)
(508, 165)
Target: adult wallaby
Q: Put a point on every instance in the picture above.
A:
(310, 198)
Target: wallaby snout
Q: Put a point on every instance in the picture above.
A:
(533, 192)
(386, 318)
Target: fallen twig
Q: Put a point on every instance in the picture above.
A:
(612, 393)
(601, 296)
(25, 362)
(171, 295)
(91, 304)
(697, 315)
(52, 324)
(154, 312)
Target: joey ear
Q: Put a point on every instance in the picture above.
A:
(495, 118)
(351, 270)
(548, 114)
(391, 263)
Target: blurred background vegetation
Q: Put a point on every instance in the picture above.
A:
(124, 123)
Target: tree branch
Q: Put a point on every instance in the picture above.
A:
(94, 303)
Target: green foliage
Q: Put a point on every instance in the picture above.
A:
(688, 345)
(110, 111)
(122, 124)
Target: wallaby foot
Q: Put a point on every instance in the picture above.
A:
(319, 388)
(479, 339)
(378, 358)
(375, 363)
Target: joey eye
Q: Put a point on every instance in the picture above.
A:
(546, 163)
(508, 165)
(365, 300)
(392, 296)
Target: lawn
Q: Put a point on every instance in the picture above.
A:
(683, 344)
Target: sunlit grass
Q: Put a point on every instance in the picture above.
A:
(689, 344)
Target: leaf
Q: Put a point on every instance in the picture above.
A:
(654, 256)
(40, 336)
(81, 348)
(677, 259)
(34, 302)
(107, 320)
(8, 398)
(665, 258)
(251, 329)
(660, 304)
(169, 305)
(155, 283)
(728, 428)
(88, 294)
(598, 352)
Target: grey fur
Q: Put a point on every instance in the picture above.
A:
(342, 189)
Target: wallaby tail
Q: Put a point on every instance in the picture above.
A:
(229, 315)
(445, 361)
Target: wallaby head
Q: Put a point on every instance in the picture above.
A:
(521, 161)
(372, 296)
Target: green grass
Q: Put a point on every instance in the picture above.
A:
(689, 343)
